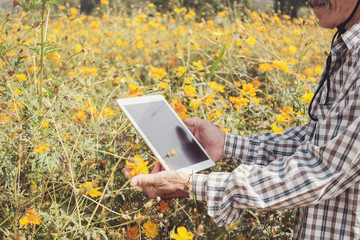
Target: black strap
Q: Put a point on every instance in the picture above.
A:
(326, 77)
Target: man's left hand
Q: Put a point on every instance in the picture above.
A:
(164, 184)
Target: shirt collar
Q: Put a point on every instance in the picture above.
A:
(351, 37)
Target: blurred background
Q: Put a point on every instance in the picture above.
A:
(294, 8)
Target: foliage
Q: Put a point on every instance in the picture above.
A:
(64, 141)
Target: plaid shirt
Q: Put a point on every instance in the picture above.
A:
(314, 168)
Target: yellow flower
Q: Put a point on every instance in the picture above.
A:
(292, 49)
(17, 107)
(198, 64)
(182, 234)
(104, 2)
(254, 16)
(194, 104)
(251, 40)
(45, 124)
(141, 17)
(189, 90)
(108, 112)
(77, 48)
(2, 89)
(32, 218)
(18, 92)
(306, 98)
(180, 71)
(21, 77)
(89, 71)
(73, 13)
(42, 147)
(150, 229)
(238, 102)
(278, 64)
(276, 129)
(280, 119)
(209, 99)
(158, 73)
(79, 116)
(140, 44)
(256, 100)
(31, 70)
(214, 113)
(138, 166)
(318, 69)
(134, 90)
(163, 85)
(89, 189)
(265, 67)
(216, 87)
(248, 89)
(4, 118)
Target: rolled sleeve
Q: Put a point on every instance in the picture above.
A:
(235, 148)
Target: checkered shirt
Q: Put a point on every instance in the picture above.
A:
(314, 168)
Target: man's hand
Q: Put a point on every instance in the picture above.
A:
(209, 136)
(164, 184)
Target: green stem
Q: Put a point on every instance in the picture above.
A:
(42, 54)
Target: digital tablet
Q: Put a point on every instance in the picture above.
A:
(165, 133)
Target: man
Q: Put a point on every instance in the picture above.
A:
(314, 168)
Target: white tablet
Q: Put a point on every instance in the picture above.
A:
(164, 132)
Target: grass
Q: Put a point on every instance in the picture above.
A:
(64, 141)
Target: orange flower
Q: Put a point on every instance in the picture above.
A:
(42, 147)
(132, 232)
(79, 116)
(164, 206)
(248, 89)
(32, 218)
(178, 106)
(134, 90)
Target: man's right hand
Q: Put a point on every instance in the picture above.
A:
(208, 135)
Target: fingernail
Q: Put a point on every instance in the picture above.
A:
(133, 182)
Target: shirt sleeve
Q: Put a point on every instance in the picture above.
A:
(262, 149)
(318, 170)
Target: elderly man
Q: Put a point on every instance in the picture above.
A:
(314, 168)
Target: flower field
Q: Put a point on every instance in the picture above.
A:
(64, 141)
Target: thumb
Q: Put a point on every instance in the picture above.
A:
(143, 180)
(190, 122)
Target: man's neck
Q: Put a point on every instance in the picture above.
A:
(355, 19)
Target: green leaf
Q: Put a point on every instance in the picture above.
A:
(217, 61)
(48, 48)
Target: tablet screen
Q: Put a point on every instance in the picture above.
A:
(166, 133)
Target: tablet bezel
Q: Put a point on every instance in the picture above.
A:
(123, 102)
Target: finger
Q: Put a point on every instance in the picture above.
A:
(157, 168)
(145, 180)
(191, 123)
(126, 172)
